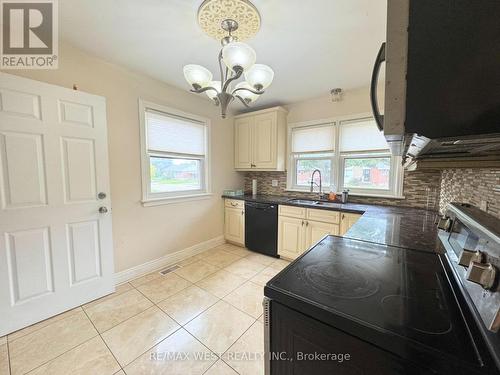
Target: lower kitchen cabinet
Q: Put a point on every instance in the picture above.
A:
(291, 237)
(316, 230)
(347, 220)
(234, 225)
(296, 235)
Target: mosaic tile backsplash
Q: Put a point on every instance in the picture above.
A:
(472, 186)
(422, 189)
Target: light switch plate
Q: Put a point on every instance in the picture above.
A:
(274, 183)
(484, 205)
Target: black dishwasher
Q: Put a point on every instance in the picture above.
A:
(261, 228)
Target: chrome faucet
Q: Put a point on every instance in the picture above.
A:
(314, 183)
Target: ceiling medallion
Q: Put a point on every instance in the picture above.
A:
(236, 59)
(212, 13)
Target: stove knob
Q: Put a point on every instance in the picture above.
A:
(444, 223)
(483, 274)
(468, 256)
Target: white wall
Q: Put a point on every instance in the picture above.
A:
(146, 233)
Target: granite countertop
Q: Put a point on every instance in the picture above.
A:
(405, 227)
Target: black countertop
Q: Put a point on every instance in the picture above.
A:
(405, 227)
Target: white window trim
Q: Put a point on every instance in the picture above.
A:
(396, 183)
(150, 199)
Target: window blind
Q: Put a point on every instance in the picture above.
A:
(319, 138)
(362, 135)
(168, 133)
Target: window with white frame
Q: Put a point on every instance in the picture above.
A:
(175, 153)
(351, 153)
(312, 147)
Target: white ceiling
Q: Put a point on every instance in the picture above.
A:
(312, 45)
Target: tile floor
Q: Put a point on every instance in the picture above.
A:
(204, 318)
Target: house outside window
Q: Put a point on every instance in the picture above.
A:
(350, 152)
(175, 157)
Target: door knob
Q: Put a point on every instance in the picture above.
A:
(101, 195)
(103, 210)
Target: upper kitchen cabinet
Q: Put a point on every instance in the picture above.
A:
(260, 140)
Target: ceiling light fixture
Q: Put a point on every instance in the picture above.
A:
(236, 59)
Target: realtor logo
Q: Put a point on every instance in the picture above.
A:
(29, 34)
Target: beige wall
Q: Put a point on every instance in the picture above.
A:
(353, 102)
(146, 233)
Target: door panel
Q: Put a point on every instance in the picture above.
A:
(243, 142)
(29, 260)
(290, 237)
(264, 141)
(347, 221)
(235, 225)
(76, 114)
(78, 157)
(23, 174)
(84, 251)
(56, 249)
(19, 103)
(315, 231)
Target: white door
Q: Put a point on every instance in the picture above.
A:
(291, 239)
(235, 225)
(243, 143)
(56, 248)
(264, 141)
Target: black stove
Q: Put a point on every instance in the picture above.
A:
(395, 299)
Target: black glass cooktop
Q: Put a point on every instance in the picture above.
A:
(401, 296)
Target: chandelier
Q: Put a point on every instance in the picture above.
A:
(236, 59)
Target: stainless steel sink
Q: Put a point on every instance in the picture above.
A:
(307, 202)
(303, 201)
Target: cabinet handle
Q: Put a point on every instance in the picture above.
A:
(253, 165)
(343, 216)
(307, 223)
(234, 204)
(243, 212)
(302, 222)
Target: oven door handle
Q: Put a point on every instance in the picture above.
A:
(379, 119)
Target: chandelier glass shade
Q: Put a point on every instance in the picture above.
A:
(236, 59)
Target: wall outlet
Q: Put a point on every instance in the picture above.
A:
(274, 183)
(483, 205)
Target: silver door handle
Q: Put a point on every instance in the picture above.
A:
(103, 210)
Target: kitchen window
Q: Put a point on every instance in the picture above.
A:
(312, 147)
(351, 153)
(175, 155)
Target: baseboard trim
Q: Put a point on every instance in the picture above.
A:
(166, 260)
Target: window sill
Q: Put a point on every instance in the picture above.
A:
(175, 199)
(351, 194)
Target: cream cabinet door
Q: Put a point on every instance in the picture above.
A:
(264, 141)
(235, 225)
(316, 230)
(291, 233)
(347, 220)
(243, 143)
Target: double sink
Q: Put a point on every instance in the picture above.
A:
(307, 202)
